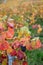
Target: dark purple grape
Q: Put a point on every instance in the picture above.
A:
(23, 48)
(0, 60)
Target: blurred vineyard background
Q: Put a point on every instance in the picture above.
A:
(27, 10)
(15, 3)
(24, 8)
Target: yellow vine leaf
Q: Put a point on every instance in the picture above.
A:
(4, 62)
